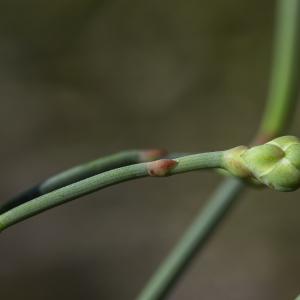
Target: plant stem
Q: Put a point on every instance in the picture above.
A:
(280, 103)
(57, 197)
(284, 77)
(83, 171)
(194, 238)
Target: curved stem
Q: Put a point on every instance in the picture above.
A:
(280, 103)
(162, 167)
(281, 98)
(83, 171)
(284, 77)
(195, 236)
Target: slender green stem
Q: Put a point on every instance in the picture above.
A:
(57, 197)
(280, 102)
(196, 235)
(83, 171)
(281, 99)
(284, 77)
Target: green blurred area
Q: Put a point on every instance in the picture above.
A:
(81, 79)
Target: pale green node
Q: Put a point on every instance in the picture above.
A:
(261, 159)
(276, 164)
(283, 177)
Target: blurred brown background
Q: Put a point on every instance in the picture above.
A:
(80, 79)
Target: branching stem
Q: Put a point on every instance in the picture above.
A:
(65, 186)
(282, 97)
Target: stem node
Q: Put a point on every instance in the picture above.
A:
(160, 168)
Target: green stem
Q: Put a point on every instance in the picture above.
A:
(280, 102)
(97, 182)
(284, 77)
(83, 171)
(194, 238)
(281, 99)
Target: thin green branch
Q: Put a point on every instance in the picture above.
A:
(284, 77)
(81, 172)
(275, 164)
(194, 238)
(280, 103)
(158, 168)
(281, 98)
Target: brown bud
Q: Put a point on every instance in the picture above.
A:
(160, 167)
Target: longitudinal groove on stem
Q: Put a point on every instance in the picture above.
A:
(91, 184)
(83, 171)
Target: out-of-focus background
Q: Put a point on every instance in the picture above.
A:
(81, 79)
